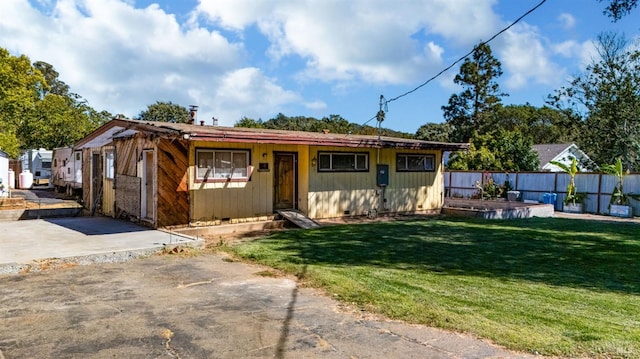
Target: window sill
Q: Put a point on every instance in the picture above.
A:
(221, 180)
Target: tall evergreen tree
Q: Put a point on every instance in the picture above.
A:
(480, 98)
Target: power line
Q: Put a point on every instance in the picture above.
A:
(460, 59)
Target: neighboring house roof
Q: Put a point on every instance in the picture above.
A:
(124, 127)
(561, 153)
(3, 154)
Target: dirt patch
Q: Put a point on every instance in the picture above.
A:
(48, 264)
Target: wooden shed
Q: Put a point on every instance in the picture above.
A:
(168, 174)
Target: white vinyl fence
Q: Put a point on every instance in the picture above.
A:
(533, 185)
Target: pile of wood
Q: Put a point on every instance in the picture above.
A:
(12, 203)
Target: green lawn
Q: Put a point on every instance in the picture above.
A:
(552, 286)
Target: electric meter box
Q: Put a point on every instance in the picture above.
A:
(382, 175)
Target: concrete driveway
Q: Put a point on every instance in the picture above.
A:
(203, 306)
(83, 238)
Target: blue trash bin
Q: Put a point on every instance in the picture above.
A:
(549, 198)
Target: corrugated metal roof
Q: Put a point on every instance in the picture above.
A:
(259, 135)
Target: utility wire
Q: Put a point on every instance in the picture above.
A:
(458, 60)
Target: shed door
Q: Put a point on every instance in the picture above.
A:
(96, 182)
(148, 186)
(284, 182)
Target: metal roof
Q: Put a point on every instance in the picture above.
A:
(116, 127)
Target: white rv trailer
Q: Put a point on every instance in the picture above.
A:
(5, 183)
(67, 170)
(38, 162)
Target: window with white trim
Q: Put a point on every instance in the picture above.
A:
(109, 164)
(415, 163)
(222, 164)
(343, 162)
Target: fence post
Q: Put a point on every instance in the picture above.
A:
(599, 192)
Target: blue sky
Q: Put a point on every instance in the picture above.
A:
(258, 58)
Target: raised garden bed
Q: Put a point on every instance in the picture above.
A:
(490, 209)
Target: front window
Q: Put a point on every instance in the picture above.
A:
(109, 164)
(222, 164)
(415, 163)
(343, 162)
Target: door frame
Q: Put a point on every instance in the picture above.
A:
(294, 155)
(144, 193)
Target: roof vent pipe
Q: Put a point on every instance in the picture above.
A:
(193, 112)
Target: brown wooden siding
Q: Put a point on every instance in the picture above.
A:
(89, 183)
(173, 189)
(86, 178)
(171, 199)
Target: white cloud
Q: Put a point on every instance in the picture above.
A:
(365, 40)
(247, 92)
(566, 48)
(116, 56)
(525, 58)
(242, 57)
(316, 105)
(587, 53)
(567, 20)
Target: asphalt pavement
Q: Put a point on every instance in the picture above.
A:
(202, 306)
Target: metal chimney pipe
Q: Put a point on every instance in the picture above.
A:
(193, 112)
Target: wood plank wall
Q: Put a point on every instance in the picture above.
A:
(128, 158)
(108, 189)
(172, 196)
(336, 194)
(320, 195)
(172, 185)
(213, 203)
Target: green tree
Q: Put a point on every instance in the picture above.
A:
(468, 111)
(333, 123)
(249, 123)
(438, 132)
(480, 159)
(37, 109)
(165, 112)
(542, 124)
(58, 122)
(499, 150)
(10, 144)
(607, 97)
(54, 84)
(20, 86)
(619, 8)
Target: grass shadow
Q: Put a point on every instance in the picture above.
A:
(562, 252)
